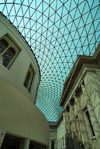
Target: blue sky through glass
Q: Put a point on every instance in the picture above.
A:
(58, 31)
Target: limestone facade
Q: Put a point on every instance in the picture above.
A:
(81, 103)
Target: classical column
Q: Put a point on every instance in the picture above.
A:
(90, 108)
(26, 143)
(73, 125)
(64, 119)
(82, 123)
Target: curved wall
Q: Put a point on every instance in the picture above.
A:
(18, 114)
(18, 70)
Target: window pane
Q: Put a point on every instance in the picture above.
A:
(3, 45)
(7, 56)
(27, 79)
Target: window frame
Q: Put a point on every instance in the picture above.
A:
(29, 86)
(90, 123)
(11, 44)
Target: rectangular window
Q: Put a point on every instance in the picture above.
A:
(52, 144)
(88, 117)
(8, 51)
(29, 78)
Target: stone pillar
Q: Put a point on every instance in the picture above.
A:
(21, 145)
(74, 125)
(2, 135)
(90, 108)
(64, 119)
(26, 143)
(69, 142)
(83, 127)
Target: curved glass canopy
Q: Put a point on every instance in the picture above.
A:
(57, 31)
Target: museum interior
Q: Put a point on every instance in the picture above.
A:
(50, 74)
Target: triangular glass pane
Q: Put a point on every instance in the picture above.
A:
(96, 23)
(69, 19)
(45, 6)
(59, 11)
(77, 14)
(20, 12)
(73, 27)
(31, 12)
(40, 8)
(81, 7)
(88, 27)
(89, 19)
(77, 21)
(25, 2)
(95, 3)
(97, 16)
(64, 11)
(90, 3)
(91, 29)
(72, 13)
(73, 5)
(15, 22)
(86, 8)
(59, 4)
(38, 15)
(33, 5)
(5, 11)
(12, 18)
(67, 5)
(81, 23)
(57, 17)
(85, 17)
(9, 7)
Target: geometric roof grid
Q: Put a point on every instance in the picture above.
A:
(57, 31)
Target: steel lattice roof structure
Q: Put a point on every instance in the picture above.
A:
(57, 31)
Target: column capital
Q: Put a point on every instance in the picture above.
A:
(82, 85)
(75, 95)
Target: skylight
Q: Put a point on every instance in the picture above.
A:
(57, 31)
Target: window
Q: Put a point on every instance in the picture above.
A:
(8, 51)
(29, 78)
(52, 144)
(88, 118)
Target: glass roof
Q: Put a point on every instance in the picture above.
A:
(57, 31)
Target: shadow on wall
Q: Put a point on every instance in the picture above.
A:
(73, 143)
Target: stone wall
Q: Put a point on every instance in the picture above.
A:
(53, 137)
(81, 103)
(61, 135)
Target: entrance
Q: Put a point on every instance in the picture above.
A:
(11, 142)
